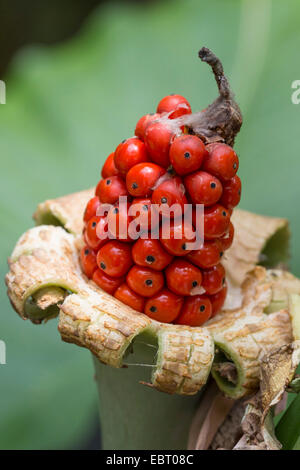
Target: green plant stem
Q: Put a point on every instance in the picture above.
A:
(134, 416)
(288, 428)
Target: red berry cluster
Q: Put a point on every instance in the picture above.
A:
(160, 166)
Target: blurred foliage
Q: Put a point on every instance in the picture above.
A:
(67, 109)
(46, 22)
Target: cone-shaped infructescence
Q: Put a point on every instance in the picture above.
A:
(45, 279)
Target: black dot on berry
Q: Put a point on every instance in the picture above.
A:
(94, 224)
(202, 308)
(234, 166)
(148, 282)
(102, 266)
(123, 141)
(239, 192)
(108, 182)
(116, 210)
(134, 185)
(187, 155)
(153, 309)
(86, 252)
(213, 185)
(145, 208)
(183, 246)
(221, 254)
(150, 259)
(163, 200)
(223, 280)
(224, 213)
(194, 283)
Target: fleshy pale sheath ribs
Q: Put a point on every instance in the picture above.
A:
(45, 260)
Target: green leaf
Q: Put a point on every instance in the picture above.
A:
(294, 385)
(288, 428)
(69, 106)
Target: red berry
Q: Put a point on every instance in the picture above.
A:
(196, 311)
(145, 281)
(143, 123)
(164, 306)
(227, 239)
(95, 233)
(107, 283)
(161, 270)
(110, 189)
(129, 297)
(157, 139)
(213, 279)
(203, 188)
(141, 212)
(168, 193)
(91, 209)
(221, 161)
(118, 222)
(208, 255)
(88, 261)
(216, 221)
(109, 168)
(218, 299)
(150, 253)
(175, 236)
(182, 277)
(187, 153)
(129, 153)
(231, 192)
(141, 179)
(176, 103)
(114, 258)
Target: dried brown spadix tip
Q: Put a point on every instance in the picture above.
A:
(222, 120)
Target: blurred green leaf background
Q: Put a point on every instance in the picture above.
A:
(68, 106)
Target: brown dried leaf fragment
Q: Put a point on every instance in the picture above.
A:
(230, 431)
(227, 370)
(277, 370)
(222, 120)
